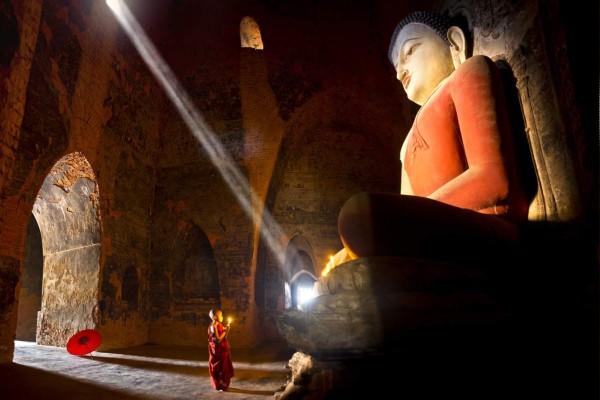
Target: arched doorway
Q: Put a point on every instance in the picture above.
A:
(67, 213)
(30, 296)
(299, 270)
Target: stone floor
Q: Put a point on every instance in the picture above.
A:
(145, 372)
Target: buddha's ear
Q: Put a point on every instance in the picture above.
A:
(458, 45)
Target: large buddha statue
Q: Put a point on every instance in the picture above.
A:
(416, 285)
(415, 264)
(461, 197)
(415, 280)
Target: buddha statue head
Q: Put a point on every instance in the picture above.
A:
(425, 49)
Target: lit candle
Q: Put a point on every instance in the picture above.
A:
(229, 321)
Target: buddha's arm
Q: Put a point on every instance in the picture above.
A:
(484, 186)
(405, 187)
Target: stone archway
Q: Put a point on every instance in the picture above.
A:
(67, 213)
(30, 296)
(195, 276)
(299, 269)
(302, 282)
(186, 289)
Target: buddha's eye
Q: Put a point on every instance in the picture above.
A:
(411, 49)
(408, 51)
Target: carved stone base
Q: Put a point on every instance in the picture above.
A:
(364, 305)
(378, 323)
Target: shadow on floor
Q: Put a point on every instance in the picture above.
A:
(145, 372)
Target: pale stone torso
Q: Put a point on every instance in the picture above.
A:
(455, 151)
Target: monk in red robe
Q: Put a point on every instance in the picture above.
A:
(461, 198)
(220, 366)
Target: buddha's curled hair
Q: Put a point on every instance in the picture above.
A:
(439, 23)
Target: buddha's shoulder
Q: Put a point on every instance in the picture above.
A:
(478, 62)
(476, 67)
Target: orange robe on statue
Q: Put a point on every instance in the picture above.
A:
(460, 148)
(459, 166)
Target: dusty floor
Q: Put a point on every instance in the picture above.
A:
(143, 372)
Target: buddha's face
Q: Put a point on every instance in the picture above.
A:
(422, 61)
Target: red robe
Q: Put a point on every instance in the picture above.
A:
(220, 366)
(459, 166)
(460, 148)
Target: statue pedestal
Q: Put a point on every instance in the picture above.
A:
(375, 311)
(364, 305)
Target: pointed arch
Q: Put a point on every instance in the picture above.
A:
(250, 36)
(195, 276)
(67, 212)
(30, 295)
(299, 269)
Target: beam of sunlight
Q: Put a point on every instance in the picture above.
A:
(238, 184)
(305, 294)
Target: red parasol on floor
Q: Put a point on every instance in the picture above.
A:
(84, 342)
